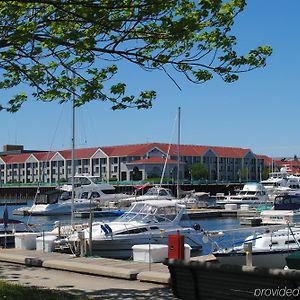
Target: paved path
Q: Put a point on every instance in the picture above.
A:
(99, 278)
(94, 287)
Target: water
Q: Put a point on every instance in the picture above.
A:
(233, 232)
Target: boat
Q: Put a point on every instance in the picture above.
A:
(279, 183)
(252, 194)
(146, 222)
(9, 227)
(269, 249)
(194, 200)
(153, 193)
(286, 209)
(89, 193)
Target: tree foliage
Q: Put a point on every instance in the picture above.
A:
(45, 42)
(265, 173)
(198, 171)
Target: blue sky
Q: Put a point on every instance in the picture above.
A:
(260, 111)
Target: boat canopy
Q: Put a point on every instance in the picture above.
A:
(155, 211)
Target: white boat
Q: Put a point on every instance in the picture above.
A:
(280, 183)
(252, 194)
(195, 200)
(153, 193)
(286, 210)
(89, 192)
(269, 249)
(149, 221)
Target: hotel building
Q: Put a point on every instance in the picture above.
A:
(129, 162)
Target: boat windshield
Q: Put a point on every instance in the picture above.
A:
(78, 181)
(158, 192)
(97, 180)
(149, 214)
(290, 199)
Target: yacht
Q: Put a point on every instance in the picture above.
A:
(269, 249)
(252, 194)
(147, 222)
(280, 183)
(286, 209)
(89, 192)
(196, 200)
(153, 193)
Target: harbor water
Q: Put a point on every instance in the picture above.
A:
(232, 232)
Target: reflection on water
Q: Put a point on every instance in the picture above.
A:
(230, 226)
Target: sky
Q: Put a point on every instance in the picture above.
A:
(260, 111)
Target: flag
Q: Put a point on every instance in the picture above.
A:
(5, 217)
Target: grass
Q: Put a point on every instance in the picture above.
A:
(10, 291)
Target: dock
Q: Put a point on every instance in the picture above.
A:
(97, 266)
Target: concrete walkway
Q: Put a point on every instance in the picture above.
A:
(93, 277)
(122, 269)
(87, 286)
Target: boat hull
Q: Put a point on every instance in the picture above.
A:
(58, 209)
(122, 248)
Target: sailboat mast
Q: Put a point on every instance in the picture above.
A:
(178, 152)
(73, 158)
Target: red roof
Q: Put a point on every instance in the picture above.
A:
(16, 158)
(78, 153)
(267, 160)
(185, 150)
(153, 160)
(43, 156)
(230, 151)
(128, 150)
(133, 150)
(142, 149)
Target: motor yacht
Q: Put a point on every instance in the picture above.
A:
(269, 249)
(280, 183)
(252, 194)
(89, 192)
(147, 222)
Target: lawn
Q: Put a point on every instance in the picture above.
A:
(10, 291)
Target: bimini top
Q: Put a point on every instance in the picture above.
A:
(153, 211)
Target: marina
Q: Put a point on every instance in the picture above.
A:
(100, 245)
(98, 202)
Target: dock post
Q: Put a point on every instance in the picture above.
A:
(248, 251)
(58, 225)
(82, 243)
